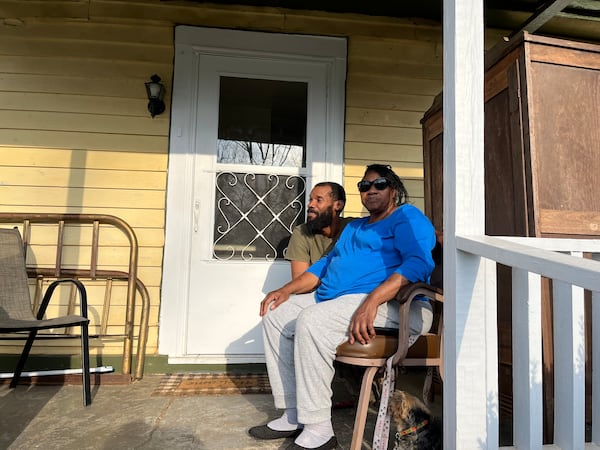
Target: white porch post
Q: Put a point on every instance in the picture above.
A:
(470, 384)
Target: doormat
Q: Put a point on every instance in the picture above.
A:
(182, 385)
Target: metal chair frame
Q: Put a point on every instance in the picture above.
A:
(427, 351)
(16, 314)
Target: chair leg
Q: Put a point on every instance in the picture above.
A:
(362, 408)
(427, 392)
(23, 359)
(85, 365)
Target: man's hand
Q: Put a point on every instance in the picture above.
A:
(273, 300)
(361, 326)
(306, 282)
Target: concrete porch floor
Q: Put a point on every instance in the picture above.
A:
(129, 417)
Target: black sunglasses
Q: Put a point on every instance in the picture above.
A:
(379, 183)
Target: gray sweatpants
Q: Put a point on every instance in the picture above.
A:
(301, 337)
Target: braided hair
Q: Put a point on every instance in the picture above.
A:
(385, 171)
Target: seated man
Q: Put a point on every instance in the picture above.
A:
(373, 258)
(315, 238)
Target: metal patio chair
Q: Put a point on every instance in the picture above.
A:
(16, 315)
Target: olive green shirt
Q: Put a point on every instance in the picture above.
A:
(309, 247)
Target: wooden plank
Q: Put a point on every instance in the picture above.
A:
(82, 236)
(580, 272)
(94, 69)
(527, 359)
(97, 198)
(383, 135)
(381, 152)
(94, 51)
(120, 87)
(570, 222)
(397, 68)
(393, 84)
(89, 141)
(137, 218)
(393, 102)
(396, 51)
(595, 319)
(470, 410)
(78, 158)
(256, 18)
(569, 365)
(92, 106)
(360, 116)
(356, 24)
(71, 9)
(565, 56)
(496, 78)
(85, 31)
(83, 178)
(86, 123)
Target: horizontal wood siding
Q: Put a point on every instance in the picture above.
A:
(76, 137)
(391, 82)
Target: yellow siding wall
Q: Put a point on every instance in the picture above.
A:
(75, 134)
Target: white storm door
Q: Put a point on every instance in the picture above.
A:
(261, 128)
(249, 191)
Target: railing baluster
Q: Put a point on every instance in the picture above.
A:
(491, 327)
(595, 322)
(569, 366)
(527, 359)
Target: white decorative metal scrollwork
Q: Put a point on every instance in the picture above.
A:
(255, 214)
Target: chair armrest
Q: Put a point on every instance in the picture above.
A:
(46, 300)
(409, 291)
(405, 296)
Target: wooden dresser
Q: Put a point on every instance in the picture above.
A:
(542, 164)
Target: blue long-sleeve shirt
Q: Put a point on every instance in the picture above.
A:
(367, 254)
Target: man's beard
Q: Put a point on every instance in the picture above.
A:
(322, 220)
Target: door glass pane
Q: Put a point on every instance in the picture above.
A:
(262, 122)
(255, 215)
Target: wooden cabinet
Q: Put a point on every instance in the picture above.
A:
(542, 162)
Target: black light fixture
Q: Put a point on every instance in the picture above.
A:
(155, 91)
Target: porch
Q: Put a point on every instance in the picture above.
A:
(133, 416)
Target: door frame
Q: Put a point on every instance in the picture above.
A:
(179, 215)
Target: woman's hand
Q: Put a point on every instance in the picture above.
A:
(362, 327)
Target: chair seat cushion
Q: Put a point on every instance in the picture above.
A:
(385, 345)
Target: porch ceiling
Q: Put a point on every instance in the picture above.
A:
(579, 19)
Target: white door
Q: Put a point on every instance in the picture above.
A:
(252, 131)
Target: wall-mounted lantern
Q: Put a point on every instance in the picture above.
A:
(155, 91)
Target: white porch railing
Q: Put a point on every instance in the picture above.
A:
(530, 259)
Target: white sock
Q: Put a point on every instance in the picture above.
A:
(287, 422)
(315, 434)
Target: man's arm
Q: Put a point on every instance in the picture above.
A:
(306, 282)
(298, 267)
(298, 251)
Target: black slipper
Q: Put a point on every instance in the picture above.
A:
(264, 432)
(329, 445)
